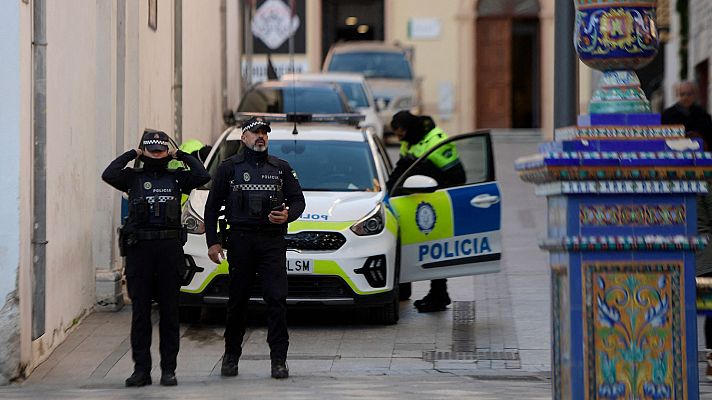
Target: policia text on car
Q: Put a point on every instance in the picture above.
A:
(261, 195)
(152, 240)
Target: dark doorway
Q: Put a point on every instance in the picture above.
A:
(345, 20)
(525, 73)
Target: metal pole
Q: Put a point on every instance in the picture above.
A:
(247, 79)
(223, 54)
(565, 82)
(39, 204)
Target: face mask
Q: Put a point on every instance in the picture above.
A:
(154, 163)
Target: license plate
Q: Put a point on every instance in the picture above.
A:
(300, 266)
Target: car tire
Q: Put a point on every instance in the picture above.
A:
(189, 314)
(388, 314)
(404, 291)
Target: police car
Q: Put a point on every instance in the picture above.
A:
(355, 242)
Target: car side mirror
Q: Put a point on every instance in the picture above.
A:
(419, 184)
(229, 118)
(380, 104)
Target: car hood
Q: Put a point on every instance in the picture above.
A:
(321, 206)
(391, 88)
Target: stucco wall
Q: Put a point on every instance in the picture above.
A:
(202, 70)
(70, 182)
(450, 59)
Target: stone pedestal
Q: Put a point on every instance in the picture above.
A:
(622, 236)
(109, 296)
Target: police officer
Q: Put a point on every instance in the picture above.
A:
(419, 134)
(261, 195)
(152, 240)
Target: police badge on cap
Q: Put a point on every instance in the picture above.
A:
(254, 124)
(154, 140)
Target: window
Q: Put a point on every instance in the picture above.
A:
(373, 64)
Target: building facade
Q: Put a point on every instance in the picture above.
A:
(81, 79)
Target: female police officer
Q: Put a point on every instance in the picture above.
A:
(261, 195)
(152, 240)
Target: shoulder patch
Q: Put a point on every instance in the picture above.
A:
(294, 174)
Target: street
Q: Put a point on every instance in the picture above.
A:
(493, 342)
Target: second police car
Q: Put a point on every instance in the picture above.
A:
(355, 242)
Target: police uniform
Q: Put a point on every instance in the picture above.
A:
(152, 241)
(443, 165)
(250, 184)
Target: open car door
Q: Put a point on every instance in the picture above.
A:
(447, 231)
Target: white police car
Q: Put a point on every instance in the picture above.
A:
(355, 242)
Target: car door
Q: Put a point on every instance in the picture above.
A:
(451, 231)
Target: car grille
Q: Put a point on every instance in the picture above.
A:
(315, 241)
(300, 286)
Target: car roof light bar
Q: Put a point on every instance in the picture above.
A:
(300, 118)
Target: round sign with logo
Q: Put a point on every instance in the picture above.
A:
(425, 217)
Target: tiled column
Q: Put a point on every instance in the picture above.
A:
(621, 236)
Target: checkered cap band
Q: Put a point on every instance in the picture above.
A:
(155, 141)
(253, 124)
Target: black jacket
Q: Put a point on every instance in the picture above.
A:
(124, 178)
(695, 120)
(221, 187)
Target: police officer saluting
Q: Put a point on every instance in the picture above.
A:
(152, 240)
(261, 195)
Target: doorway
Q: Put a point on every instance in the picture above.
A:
(508, 75)
(346, 20)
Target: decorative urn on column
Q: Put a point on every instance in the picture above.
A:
(616, 37)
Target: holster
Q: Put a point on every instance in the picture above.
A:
(127, 237)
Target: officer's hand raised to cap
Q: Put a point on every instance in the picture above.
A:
(139, 152)
(173, 153)
(279, 217)
(215, 252)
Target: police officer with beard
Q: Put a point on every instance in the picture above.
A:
(152, 240)
(261, 195)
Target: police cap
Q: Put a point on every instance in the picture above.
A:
(154, 140)
(254, 124)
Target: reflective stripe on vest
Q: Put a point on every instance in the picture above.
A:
(443, 158)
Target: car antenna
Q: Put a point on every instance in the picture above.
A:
(292, 6)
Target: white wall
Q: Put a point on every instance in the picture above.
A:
(202, 71)
(71, 175)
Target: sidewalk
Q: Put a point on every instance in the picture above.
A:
(492, 343)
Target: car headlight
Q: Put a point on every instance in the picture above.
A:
(191, 220)
(371, 224)
(403, 103)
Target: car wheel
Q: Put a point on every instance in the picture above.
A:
(189, 314)
(388, 314)
(404, 291)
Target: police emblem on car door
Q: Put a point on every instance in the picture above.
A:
(452, 228)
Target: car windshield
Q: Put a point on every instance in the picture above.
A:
(313, 100)
(372, 64)
(355, 94)
(326, 165)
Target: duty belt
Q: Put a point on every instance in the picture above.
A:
(158, 235)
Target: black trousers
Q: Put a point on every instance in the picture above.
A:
(153, 272)
(263, 253)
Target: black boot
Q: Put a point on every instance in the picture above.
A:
(138, 379)
(229, 364)
(168, 378)
(280, 369)
(432, 302)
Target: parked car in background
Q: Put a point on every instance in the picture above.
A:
(387, 69)
(291, 97)
(356, 90)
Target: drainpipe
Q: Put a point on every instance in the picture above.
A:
(178, 71)
(39, 206)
